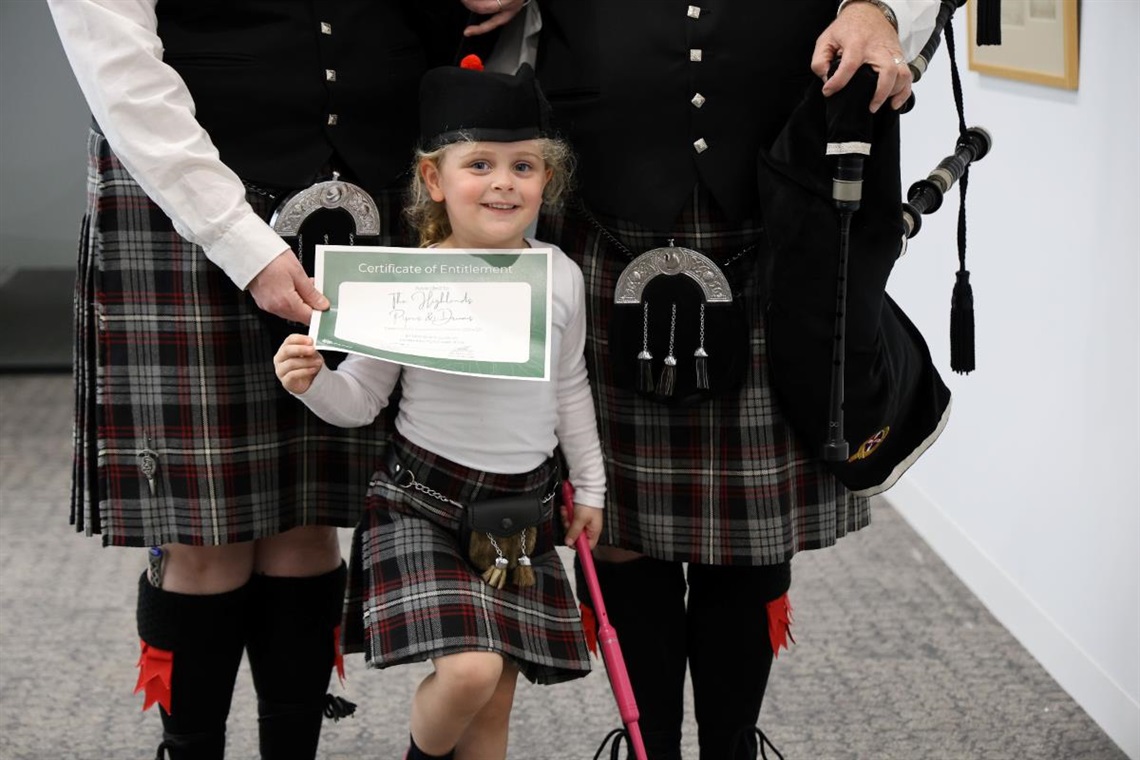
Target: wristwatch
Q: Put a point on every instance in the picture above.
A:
(886, 10)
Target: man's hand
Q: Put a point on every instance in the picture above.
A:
(297, 362)
(500, 11)
(282, 288)
(861, 34)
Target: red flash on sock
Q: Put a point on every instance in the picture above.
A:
(155, 666)
(338, 656)
(780, 623)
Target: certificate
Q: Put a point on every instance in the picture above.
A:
(465, 311)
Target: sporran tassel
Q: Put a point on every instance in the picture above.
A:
(644, 358)
(524, 573)
(668, 381)
(962, 324)
(496, 575)
(701, 358)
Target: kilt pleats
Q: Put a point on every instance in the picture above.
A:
(183, 433)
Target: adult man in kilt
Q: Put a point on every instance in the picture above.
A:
(207, 115)
(667, 106)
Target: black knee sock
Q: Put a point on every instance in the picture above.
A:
(730, 653)
(415, 753)
(645, 602)
(205, 635)
(291, 651)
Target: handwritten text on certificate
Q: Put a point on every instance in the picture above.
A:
(484, 312)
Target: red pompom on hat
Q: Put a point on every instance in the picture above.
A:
(472, 61)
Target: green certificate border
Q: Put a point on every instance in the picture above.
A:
(336, 265)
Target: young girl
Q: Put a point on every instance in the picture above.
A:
(485, 170)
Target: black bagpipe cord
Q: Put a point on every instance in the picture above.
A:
(962, 299)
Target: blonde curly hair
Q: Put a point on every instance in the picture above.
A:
(429, 217)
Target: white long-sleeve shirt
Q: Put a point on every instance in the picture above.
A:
(916, 23)
(490, 424)
(147, 115)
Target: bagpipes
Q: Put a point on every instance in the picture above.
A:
(845, 362)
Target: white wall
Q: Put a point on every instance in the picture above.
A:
(1032, 495)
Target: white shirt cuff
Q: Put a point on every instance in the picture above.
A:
(246, 249)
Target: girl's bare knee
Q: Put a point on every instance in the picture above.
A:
(471, 676)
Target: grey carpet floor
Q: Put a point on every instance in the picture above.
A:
(894, 657)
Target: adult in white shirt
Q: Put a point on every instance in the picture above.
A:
(206, 116)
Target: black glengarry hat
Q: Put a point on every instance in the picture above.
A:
(466, 102)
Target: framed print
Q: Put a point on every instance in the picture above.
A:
(1038, 43)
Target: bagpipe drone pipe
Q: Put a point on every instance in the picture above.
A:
(845, 363)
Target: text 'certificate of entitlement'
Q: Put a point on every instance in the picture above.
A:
(465, 311)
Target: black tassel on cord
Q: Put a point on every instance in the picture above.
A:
(645, 372)
(701, 364)
(962, 299)
(989, 22)
(644, 358)
(668, 382)
(962, 325)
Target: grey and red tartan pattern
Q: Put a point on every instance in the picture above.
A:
(723, 482)
(174, 379)
(413, 596)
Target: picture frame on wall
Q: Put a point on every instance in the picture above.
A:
(1039, 43)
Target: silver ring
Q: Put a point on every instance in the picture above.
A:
(500, 2)
(897, 61)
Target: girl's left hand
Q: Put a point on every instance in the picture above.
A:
(586, 518)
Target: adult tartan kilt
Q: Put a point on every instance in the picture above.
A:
(724, 481)
(183, 433)
(413, 596)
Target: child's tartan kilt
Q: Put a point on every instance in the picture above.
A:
(413, 596)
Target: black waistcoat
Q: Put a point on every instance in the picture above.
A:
(283, 86)
(624, 81)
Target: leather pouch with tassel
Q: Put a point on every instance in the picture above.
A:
(499, 536)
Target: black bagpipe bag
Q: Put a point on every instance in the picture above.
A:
(895, 403)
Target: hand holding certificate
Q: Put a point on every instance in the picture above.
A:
(474, 312)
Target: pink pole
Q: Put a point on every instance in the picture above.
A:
(607, 637)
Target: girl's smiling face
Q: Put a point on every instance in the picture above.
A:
(492, 191)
